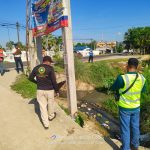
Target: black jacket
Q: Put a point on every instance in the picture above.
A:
(45, 77)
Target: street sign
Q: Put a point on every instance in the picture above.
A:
(48, 16)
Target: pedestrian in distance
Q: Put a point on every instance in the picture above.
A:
(129, 88)
(91, 56)
(46, 85)
(2, 56)
(17, 57)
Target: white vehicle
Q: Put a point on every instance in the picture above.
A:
(131, 51)
(84, 51)
(125, 51)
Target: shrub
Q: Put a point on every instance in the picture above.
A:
(145, 104)
(99, 74)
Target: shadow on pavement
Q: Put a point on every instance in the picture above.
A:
(6, 70)
(111, 143)
(36, 108)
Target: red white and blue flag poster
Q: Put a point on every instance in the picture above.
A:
(48, 16)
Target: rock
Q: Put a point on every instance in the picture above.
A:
(83, 105)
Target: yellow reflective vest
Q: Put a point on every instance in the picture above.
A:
(131, 99)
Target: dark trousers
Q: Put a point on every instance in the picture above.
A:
(90, 58)
(18, 61)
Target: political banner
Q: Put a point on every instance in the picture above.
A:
(48, 16)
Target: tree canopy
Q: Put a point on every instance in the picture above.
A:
(9, 45)
(138, 39)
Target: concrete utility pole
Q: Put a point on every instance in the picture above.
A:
(32, 51)
(27, 30)
(69, 63)
(39, 50)
(17, 26)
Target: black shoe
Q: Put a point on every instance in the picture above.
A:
(53, 117)
(46, 128)
(2, 73)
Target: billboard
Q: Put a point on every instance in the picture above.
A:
(48, 16)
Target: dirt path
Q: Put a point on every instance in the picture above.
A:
(20, 128)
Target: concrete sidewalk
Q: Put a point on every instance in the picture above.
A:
(21, 129)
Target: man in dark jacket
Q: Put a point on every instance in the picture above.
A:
(46, 85)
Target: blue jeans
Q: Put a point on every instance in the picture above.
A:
(1, 67)
(18, 61)
(129, 125)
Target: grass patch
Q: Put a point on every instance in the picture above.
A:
(100, 74)
(58, 69)
(115, 60)
(145, 104)
(24, 87)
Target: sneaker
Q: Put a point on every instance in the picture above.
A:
(46, 128)
(50, 119)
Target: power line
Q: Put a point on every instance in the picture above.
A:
(11, 25)
(113, 27)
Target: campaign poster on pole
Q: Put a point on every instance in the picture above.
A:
(48, 16)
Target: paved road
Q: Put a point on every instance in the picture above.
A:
(9, 65)
(108, 57)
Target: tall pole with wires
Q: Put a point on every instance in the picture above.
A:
(17, 27)
(69, 63)
(27, 30)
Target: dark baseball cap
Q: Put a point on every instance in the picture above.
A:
(133, 62)
(47, 58)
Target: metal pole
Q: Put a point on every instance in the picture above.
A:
(69, 63)
(17, 26)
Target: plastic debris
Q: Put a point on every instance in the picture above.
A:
(89, 109)
(145, 137)
(87, 113)
(107, 122)
(105, 125)
(53, 137)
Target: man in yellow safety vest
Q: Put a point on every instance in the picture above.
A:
(129, 88)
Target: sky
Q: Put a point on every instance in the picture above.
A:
(105, 20)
